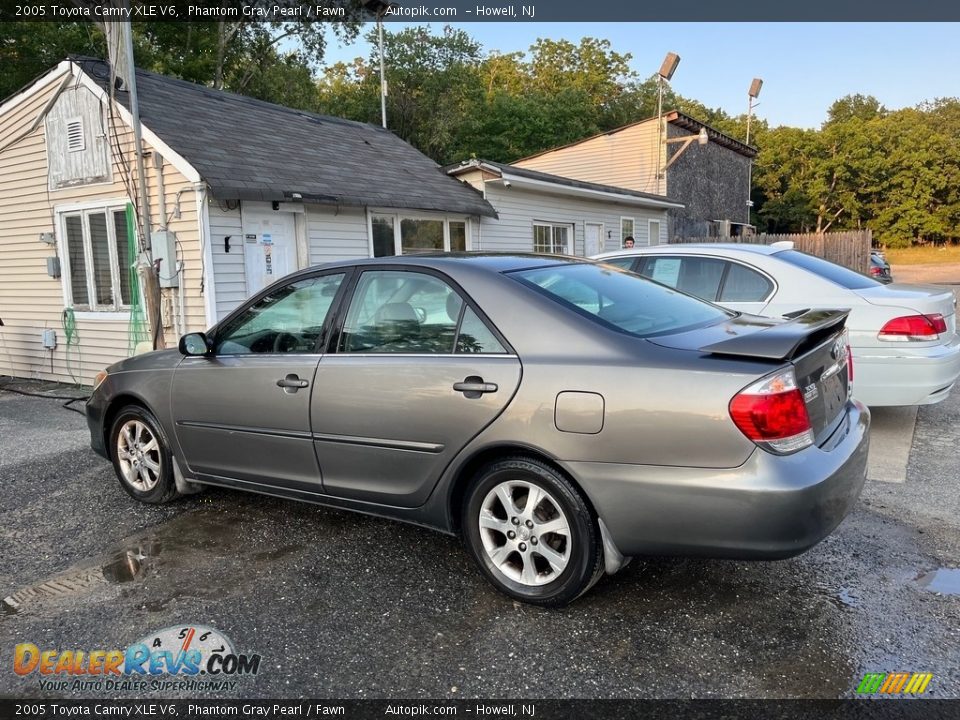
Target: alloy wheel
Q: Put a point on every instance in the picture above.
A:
(525, 533)
(138, 454)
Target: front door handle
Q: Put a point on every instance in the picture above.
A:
(474, 386)
(291, 383)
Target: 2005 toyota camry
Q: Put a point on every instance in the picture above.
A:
(560, 415)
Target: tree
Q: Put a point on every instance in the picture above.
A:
(29, 49)
(274, 61)
(862, 107)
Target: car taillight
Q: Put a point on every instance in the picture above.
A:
(914, 327)
(876, 271)
(849, 366)
(772, 411)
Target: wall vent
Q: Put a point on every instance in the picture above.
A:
(75, 140)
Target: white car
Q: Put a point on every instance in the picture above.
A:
(906, 350)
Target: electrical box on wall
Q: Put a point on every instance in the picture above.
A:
(164, 246)
(53, 266)
(49, 339)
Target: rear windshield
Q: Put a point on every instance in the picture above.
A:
(620, 299)
(844, 277)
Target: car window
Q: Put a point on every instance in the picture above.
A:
(621, 300)
(744, 285)
(844, 277)
(693, 275)
(288, 319)
(476, 337)
(624, 263)
(396, 311)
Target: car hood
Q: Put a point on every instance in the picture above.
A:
(753, 336)
(159, 360)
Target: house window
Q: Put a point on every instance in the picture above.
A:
(95, 253)
(550, 238)
(75, 139)
(409, 235)
(626, 229)
(420, 236)
(653, 236)
(382, 229)
(458, 236)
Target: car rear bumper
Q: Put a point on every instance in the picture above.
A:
(904, 375)
(770, 507)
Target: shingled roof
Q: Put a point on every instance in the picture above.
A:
(248, 149)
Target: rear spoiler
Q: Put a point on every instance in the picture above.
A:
(786, 340)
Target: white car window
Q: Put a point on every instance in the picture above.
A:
(744, 285)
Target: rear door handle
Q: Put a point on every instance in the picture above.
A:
(474, 387)
(291, 383)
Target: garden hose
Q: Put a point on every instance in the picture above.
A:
(71, 338)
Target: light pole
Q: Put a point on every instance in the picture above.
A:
(752, 94)
(379, 8)
(667, 68)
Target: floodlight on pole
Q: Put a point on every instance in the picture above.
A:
(667, 68)
(752, 94)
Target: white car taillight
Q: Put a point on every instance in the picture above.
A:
(914, 327)
(772, 411)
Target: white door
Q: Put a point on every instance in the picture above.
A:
(653, 232)
(270, 247)
(592, 238)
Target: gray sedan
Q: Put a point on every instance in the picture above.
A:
(558, 414)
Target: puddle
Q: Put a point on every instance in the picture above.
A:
(945, 581)
(125, 566)
(843, 597)
(169, 546)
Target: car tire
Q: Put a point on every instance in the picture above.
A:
(141, 456)
(546, 555)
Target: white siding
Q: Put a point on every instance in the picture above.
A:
(519, 209)
(336, 234)
(229, 272)
(30, 301)
(625, 158)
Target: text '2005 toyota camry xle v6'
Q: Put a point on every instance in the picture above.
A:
(560, 415)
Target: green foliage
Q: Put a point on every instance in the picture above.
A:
(274, 61)
(896, 172)
(30, 49)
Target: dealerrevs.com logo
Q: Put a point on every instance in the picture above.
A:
(185, 657)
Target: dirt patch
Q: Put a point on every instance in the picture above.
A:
(941, 273)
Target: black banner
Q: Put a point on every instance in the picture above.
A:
(483, 709)
(460, 11)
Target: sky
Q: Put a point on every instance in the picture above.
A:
(804, 66)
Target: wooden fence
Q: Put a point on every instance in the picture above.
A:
(850, 248)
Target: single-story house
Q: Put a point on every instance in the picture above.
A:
(710, 181)
(239, 193)
(559, 214)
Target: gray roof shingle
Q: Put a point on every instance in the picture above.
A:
(248, 149)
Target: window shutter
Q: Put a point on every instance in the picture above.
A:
(75, 140)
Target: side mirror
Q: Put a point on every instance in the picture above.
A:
(195, 344)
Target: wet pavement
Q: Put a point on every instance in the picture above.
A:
(343, 605)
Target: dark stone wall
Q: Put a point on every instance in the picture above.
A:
(710, 180)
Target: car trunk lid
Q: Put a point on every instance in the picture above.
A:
(919, 299)
(815, 343)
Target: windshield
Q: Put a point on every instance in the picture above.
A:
(844, 277)
(620, 299)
